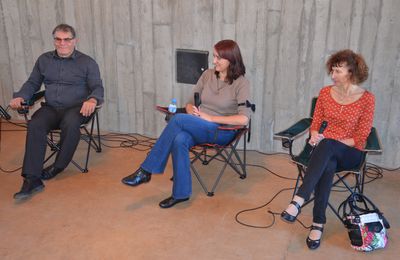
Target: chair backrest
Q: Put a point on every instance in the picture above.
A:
(373, 142)
(313, 103)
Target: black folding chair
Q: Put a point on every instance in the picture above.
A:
(90, 133)
(207, 152)
(289, 135)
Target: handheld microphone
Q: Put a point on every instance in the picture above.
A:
(321, 130)
(197, 100)
(322, 127)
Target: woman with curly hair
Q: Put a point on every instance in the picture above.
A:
(349, 110)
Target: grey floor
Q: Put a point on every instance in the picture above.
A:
(94, 216)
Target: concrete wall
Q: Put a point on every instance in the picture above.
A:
(285, 44)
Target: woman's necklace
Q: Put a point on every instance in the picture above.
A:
(343, 97)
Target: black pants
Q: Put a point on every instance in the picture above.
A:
(43, 120)
(329, 156)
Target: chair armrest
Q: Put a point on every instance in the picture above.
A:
(295, 130)
(38, 95)
(230, 128)
(24, 110)
(373, 142)
(168, 115)
(164, 110)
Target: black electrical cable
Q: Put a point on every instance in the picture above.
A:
(384, 168)
(273, 173)
(372, 172)
(260, 207)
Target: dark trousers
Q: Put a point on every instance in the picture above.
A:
(43, 120)
(329, 156)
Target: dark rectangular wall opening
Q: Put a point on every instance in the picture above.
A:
(190, 64)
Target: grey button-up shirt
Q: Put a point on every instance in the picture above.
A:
(68, 81)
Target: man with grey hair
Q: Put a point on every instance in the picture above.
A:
(73, 89)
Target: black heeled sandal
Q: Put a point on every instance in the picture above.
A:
(314, 244)
(290, 218)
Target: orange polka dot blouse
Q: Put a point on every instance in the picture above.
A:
(344, 121)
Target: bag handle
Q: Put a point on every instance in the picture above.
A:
(351, 202)
(358, 197)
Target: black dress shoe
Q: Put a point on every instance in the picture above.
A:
(138, 177)
(29, 187)
(50, 172)
(290, 218)
(171, 201)
(314, 244)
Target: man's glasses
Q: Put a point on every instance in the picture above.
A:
(66, 40)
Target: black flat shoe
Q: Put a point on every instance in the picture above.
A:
(29, 188)
(314, 244)
(169, 202)
(138, 177)
(50, 172)
(290, 218)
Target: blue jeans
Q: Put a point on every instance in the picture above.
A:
(183, 132)
(329, 156)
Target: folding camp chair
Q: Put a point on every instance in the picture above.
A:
(228, 154)
(87, 134)
(301, 160)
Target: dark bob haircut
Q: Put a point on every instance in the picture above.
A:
(65, 28)
(229, 50)
(355, 63)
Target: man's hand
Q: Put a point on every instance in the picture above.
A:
(15, 103)
(88, 107)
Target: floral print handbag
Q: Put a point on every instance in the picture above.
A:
(365, 223)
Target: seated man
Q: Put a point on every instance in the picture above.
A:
(73, 89)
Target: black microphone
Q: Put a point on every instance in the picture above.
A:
(321, 130)
(197, 100)
(3, 113)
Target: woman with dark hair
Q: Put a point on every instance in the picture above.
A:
(221, 90)
(349, 110)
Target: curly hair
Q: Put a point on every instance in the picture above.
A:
(229, 49)
(355, 63)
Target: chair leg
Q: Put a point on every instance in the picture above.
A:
(210, 194)
(244, 155)
(228, 159)
(98, 148)
(242, 171)
(90, 136)
(92, 143)
(54, 147)
(221, 172)
(336, 213)
(299, 177)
